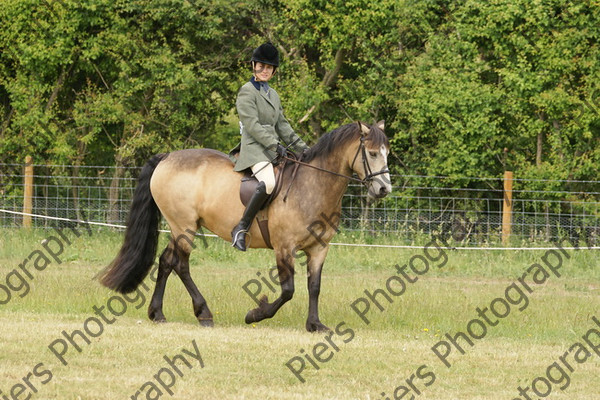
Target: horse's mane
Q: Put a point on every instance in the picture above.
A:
(341, 136)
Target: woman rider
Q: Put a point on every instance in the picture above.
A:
(262, 125)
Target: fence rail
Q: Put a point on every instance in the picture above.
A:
(470, 208)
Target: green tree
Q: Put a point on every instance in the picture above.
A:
(106, 82)
(514, 75)
(339, 57)
(458, 83)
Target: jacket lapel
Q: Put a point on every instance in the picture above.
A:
(267, 98)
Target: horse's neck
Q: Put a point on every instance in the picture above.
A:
(330, 187)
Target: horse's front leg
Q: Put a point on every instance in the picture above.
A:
(316, 258)
(285, 268)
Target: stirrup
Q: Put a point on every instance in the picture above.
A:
(235, 239)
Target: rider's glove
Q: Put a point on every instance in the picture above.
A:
(281, 151)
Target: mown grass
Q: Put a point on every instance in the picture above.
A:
(248, 362)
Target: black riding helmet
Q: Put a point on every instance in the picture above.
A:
(267, 54)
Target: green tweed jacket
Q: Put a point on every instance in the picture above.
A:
(262, 126)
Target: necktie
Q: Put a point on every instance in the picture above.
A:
(265, 86)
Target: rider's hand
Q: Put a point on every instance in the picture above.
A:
(281, 151)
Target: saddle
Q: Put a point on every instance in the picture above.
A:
(249, 184)
(248, 187)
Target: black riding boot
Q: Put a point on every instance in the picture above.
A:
(238, 234)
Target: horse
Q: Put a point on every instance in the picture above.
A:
(195, 188)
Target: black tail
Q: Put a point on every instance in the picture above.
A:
(136, 256)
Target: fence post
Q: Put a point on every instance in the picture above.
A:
(28, 192)
(507, 206)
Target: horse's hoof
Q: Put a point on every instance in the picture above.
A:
(317, 327)
(256, 314)
(206, 322)
(251, 317)
(156, 316)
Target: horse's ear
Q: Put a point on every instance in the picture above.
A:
(381, 125)
(364, 128)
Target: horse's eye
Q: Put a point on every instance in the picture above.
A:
(373, 154)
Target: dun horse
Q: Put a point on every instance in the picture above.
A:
(198, 188)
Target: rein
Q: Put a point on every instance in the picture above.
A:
(361, 149)
(363, 181)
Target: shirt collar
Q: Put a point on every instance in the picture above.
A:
(258, 85)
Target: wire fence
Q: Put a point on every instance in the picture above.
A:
(475, 214)
(542, 210)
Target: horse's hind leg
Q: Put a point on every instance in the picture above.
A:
(167, 261)
(183, 246)
(201, 310)
(176, 257)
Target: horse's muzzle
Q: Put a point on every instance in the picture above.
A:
(383, 191)
(378, 193)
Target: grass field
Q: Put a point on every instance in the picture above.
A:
(539, 341)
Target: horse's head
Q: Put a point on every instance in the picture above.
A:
(370, 161)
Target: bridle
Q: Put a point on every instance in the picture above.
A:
(369, 174)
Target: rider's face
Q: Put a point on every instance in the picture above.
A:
(263, 72)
